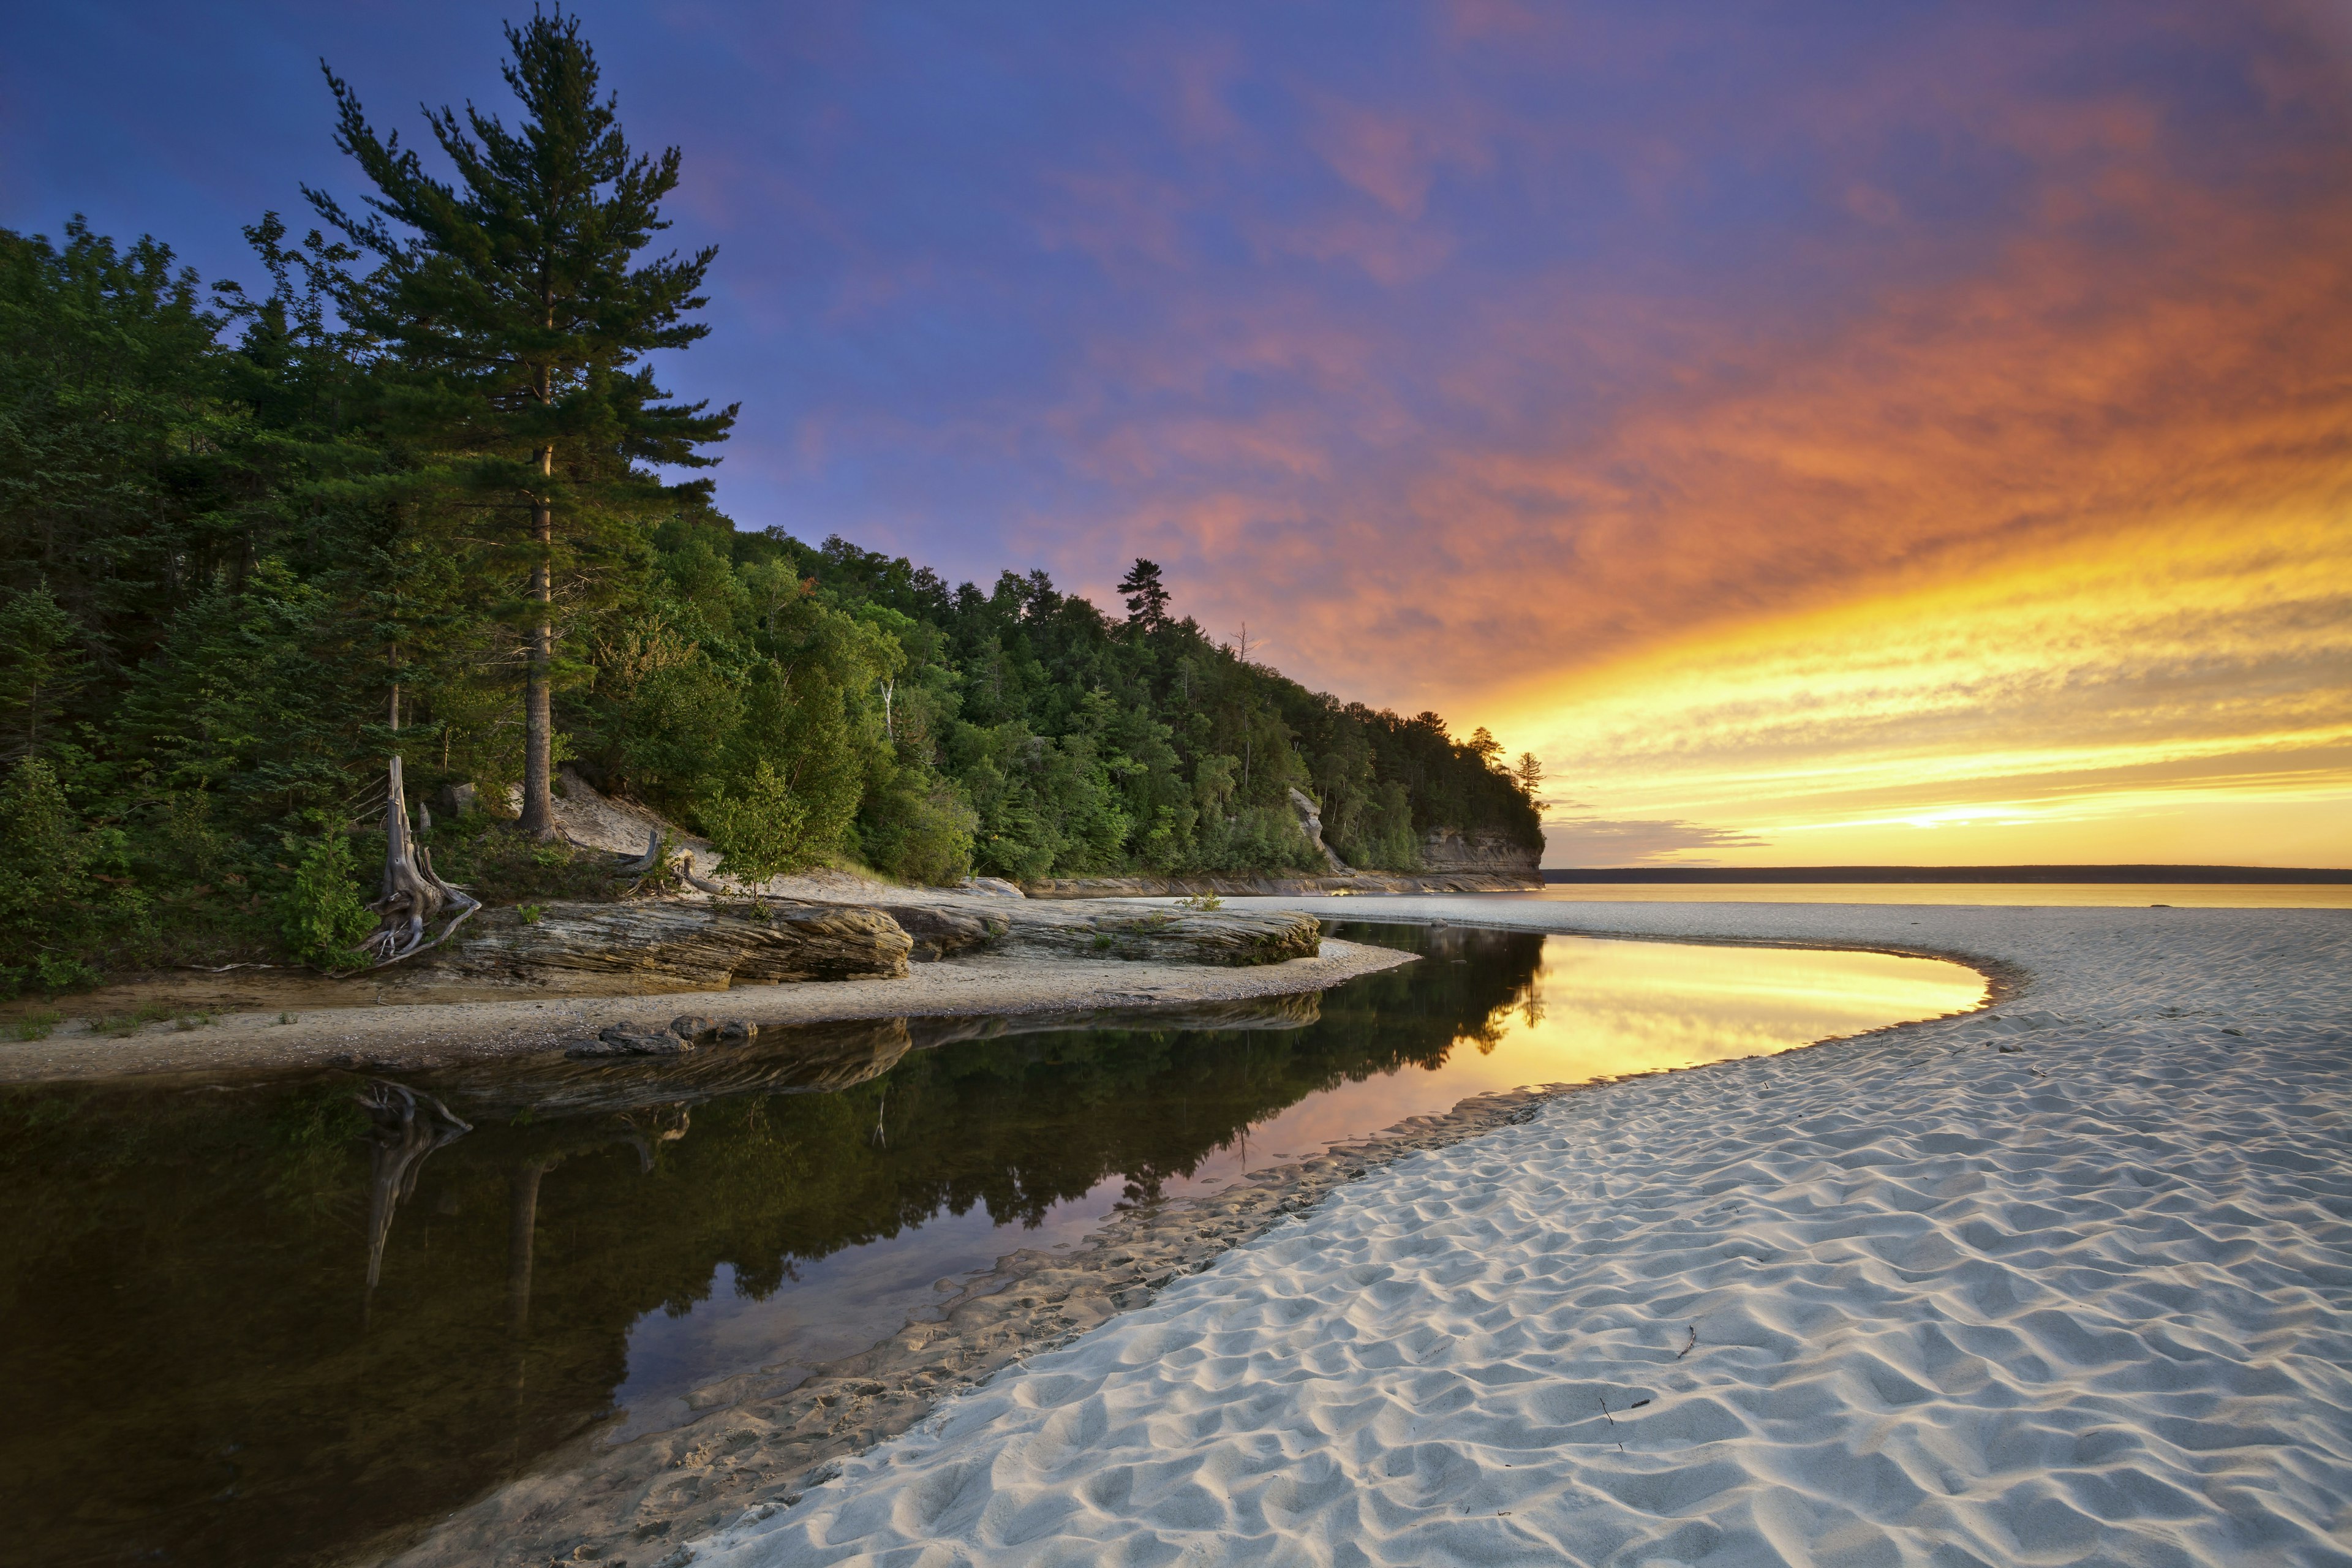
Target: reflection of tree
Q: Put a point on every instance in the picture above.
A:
(408, 1126)
(1490, 956)
(181, 1261)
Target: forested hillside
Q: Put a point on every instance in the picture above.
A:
(256, 542)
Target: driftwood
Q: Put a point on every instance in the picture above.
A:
(650, 860)
(665, 865)
(414, 895)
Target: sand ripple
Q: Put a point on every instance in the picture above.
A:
(2070, 1283)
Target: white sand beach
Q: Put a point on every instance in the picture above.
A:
(2066, 1283)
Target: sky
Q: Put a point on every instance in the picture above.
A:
(1824, 434)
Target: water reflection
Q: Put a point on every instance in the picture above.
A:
(268, 1323)
(2094, 895)
(1595, 1009)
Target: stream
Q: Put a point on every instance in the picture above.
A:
(261, 1323)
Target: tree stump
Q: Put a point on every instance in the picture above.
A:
(413, 896)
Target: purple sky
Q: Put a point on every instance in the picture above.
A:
(1462, 348)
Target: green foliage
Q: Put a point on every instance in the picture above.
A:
(320, 913)
(41, 667)
(762, 828)
(35, 1026)
(501, 865)
(519, 322)
(56, 972)
(253, 543)
(44, 886)
(920, 830)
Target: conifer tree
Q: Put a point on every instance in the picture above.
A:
(1146, 596)
(519, 319)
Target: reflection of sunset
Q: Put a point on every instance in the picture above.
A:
(1602, 1009)
(1607, 1008)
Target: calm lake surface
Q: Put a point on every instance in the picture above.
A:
(249, 1325)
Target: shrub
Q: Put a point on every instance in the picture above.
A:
(58, 972)
(321, 914)
(44, 887)
(762, 829)
(922, 832)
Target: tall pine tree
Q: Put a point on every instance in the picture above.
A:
(519, 320)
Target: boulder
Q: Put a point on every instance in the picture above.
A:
(631, 1040)
(684, 1034)
(938, 932)
(600, 949)
(1164, 935)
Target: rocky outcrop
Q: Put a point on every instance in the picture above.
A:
(1163, 935)
(1452, 862)
(1450, 850)
(595, 949)
(1310, 821)
(939, 932)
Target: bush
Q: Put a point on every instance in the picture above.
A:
(44, 890)
(922, 832)
(321, 914)
(762, 829)
(1259, 839)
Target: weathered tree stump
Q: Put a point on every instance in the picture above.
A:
(414, 896)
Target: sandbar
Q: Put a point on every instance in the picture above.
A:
(2068, 1280)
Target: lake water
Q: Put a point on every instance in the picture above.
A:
(2101, 895)
(244, 1325)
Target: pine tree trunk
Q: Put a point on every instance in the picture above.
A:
(537, 708)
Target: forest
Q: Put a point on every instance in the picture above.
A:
(417, 494)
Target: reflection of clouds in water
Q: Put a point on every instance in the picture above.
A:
(1593, 1009)
(1601, 1009)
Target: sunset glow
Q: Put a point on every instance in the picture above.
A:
(1824, 435)
(2171, 696)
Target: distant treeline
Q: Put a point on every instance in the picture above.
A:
(2274, 874)
(408, 500)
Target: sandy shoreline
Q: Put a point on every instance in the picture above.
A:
(410, 1035)
(2066, 1281)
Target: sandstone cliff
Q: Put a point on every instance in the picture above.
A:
(1451, 851)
